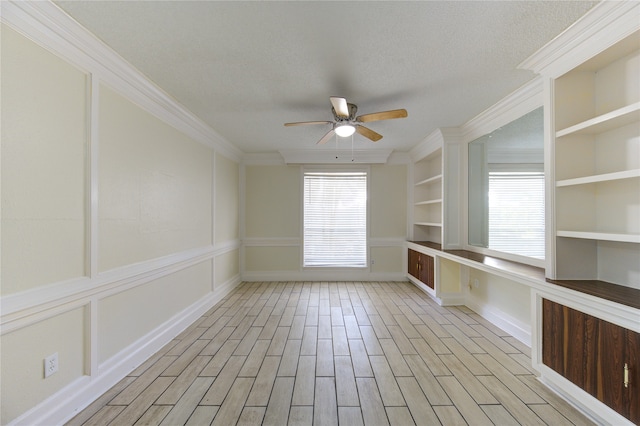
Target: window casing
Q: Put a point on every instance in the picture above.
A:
(335, 218)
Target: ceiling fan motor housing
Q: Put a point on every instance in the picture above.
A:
(352, 113)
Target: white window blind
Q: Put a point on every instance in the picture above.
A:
(516, 213)
(335, 219)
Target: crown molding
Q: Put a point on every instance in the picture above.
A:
(520, 102)
(50, 27)
(263, 159)
(398, 158)
(326, 156)
(605, 24)
(429, 145)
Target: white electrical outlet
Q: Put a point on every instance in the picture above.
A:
(50, 365)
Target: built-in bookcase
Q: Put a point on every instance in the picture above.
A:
(596, 115)
(427, 197)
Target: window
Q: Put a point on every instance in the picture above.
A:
(335, 219)
(516, 213)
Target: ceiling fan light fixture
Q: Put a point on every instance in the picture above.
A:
(344, 129)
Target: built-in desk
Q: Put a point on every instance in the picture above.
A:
(526, 274)
(507, 268)
(579, 329)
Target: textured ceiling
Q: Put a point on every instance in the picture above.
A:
(245, 68)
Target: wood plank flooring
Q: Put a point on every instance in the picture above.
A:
(354, 353)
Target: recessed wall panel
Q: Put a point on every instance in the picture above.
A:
(227, 267)
(44, 139)
(129, 315)
(227, 200)
(272, 258)
(388, 201)
(23, 385)
(386, 259)
(155, 186)
(272, 201)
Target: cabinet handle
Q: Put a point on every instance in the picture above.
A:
(626, 375)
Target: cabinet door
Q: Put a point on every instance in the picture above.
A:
(427, 270)
(421, 266)
(620, 365)
(592, 354)
(412, 265)
(633, 391)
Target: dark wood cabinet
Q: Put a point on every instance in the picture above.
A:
(421, 266)
(600, 357)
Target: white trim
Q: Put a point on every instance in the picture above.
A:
(270, 159)
(601, 27)
(22, 309)
(432, 143)
(398, 158)
(67, 402)
(341, 156)
(550, 178)
(520, 102)
(93, 147)
(322, 274)
(49, 26)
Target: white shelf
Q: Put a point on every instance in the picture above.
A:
(428, 224)
(611, 120)
(627, 174)
(602, 236)
(432, 179)
(424, 203)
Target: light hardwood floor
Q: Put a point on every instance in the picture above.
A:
(334, 353)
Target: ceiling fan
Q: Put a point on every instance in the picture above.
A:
(345, 122)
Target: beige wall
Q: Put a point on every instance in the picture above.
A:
(227, 193)
(155, 186)
(152, 255)
(272, 201)
(388, 201)
(273, 217)
(43, 166)
(501, 295)
(23, 351)
(121, 319)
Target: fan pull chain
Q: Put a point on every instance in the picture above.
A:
(352, 148)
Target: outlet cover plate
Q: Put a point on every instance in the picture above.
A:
(50, 365)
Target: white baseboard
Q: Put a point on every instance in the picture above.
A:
(69, 401)
(253, 276)
(511, 325)
(451, 299)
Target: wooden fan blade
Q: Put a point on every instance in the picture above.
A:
(383, 115)
(304, 123)
(326, 137)
(368, 133)
(340, 106)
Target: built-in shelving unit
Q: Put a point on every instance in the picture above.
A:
(427, 197)
(587, 331)
(596, 111)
